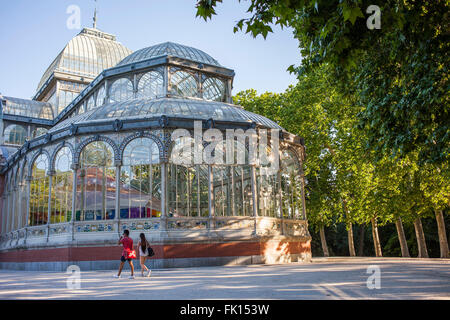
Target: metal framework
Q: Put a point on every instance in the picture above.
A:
(107, 160)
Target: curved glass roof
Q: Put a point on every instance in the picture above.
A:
(27, 108)
(87, 54)
(170, 107)
(170, 49)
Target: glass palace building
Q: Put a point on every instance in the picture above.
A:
(98, 150)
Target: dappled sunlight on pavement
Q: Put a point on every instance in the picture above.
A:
(332, 278)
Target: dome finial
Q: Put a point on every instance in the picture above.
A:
(95, 15)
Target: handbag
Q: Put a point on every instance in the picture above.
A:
(132, 254)
(150, 252)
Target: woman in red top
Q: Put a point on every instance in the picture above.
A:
(127, 243)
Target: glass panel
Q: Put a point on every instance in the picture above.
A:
(242, 196)
(90, 103)
(222, 184)
(121, 90)
(183, 84)
(39, 190)
(140, 179)
(23, 196)
(61, 201)
(187, 193)
(213, 89)
(27, 108)
(150, 85)
(65, 97)
(16, 200)
(39, 132)
(100, 96)
(15, 134)
(291, 186)
(96, 183)
(267, 187)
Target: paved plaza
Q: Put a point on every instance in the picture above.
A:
(332, 278)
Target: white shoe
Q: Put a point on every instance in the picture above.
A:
(116, 276)
(149, 273)
(131, 277)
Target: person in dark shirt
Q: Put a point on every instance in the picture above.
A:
(127, 243)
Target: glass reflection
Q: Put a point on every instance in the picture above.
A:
(140, 180)
(61, 196)
(187, 183)
(150, 85)
(291, 186)
(183, 84)
(15, 134)
(213, 89)
(39, 191)
(96, 183)
(121, 90)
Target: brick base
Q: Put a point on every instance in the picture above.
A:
(166, 255)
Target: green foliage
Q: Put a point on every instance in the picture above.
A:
(399, 73)
(345, 182)
(372, 106)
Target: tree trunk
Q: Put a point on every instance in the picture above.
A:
(376, 238)
(443, 243)
(402, 238)
(420, 236)
(362, 229)
(323, 240)
(351, 244)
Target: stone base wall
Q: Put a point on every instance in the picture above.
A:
(167, 255)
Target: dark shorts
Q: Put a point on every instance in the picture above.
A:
(123, 259)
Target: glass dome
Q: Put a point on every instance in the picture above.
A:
(170, 49)
(87, 54)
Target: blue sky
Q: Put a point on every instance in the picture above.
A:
(32, 33)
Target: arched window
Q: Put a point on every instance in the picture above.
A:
(290, 185)
(150, 85)
(39, 185)
(183, 84)
(121, 90)
(15, 134)
(213, 89)
(100, 96)
(140, 180)
(96, 183)
(61, 201)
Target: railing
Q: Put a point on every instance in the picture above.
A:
(259, 226)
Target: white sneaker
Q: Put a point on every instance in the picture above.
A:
(149, 273)
(131, 277)
(116, 276)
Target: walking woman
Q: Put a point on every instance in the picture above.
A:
(143, 254)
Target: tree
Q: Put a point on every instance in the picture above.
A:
(399, 73)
